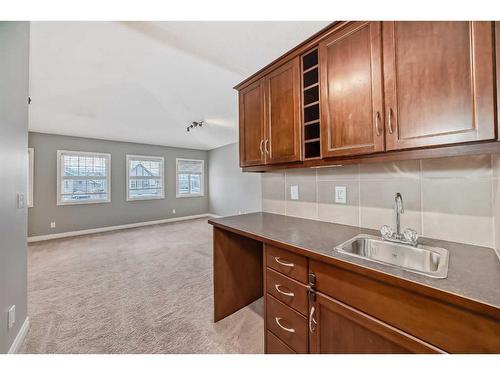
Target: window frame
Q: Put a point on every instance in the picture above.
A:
(202, 184)
(31, 174)
(161, 178)
(60, 177)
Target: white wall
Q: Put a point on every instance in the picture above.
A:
(455, 199)
(14, 47)
(230, 190)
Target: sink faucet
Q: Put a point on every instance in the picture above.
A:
(409, 236)
(398, 209)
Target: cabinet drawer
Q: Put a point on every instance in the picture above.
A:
(289, 264)
(443, 325)
(276, 346)
(288, 325)
(287, 290)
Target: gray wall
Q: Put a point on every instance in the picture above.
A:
(232, 191)
(119, 211)
(14, 49)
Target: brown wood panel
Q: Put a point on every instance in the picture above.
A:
(351, 91)
(283, 132)
(287, 290)
(252, 124)
(294, 52)
(278, 313)
(497, 71)
(439, 83)
(443, 325)
(340, 329)
(288, 263)
(479, 148)
(275, 346)
(238, 272)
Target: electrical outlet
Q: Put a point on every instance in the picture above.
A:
(294, 192)
(12, 316)
(173, 210)
(52, 224)
(340, 194)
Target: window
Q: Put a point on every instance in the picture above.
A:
(145, 177)
(29, 199)
(83, 177)
(190, 177)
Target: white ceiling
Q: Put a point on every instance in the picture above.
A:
(146, 81)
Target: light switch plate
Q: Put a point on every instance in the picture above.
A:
(21, 200)
(12, 316)
(340, 194)
(294, 192)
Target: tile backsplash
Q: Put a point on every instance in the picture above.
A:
(455, 199)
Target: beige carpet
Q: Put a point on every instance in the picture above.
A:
(144, 290)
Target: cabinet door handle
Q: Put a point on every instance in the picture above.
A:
(288, 294)
(260, 147)
(312, 320)
(291, 330)
(390, 121)
(377, 123)
(286, 264)
(268, 151)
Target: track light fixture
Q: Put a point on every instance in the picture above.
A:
(194, 124)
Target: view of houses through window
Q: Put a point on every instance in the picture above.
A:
(83, 177)
(145, 177)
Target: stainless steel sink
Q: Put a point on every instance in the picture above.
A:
(425, 260)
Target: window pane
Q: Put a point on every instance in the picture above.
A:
(80, 166)
(145, 168)
(84, 187)
(195, 184)
(183, 183)
(143, 188)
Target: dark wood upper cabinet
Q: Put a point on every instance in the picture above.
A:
(375, 91)
(283, 142)
(439, 83)
(252, 124)
(336, 328)
(351, 91)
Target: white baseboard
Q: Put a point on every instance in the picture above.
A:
(21, 335)
(115, 227)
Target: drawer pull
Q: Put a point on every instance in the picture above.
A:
(288, 294)
(291, 330)
(312, 321)
(286, 264)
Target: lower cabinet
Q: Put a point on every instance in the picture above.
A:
(276, 346)
(300, 319)
(336, 328)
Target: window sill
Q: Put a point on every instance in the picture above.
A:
(86, 202)
(189, 195)
(144, 199)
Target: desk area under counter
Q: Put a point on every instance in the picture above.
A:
(317, 300)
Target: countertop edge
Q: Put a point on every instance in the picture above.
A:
(477, 306)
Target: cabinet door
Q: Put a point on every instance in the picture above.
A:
(283, 108)
(351, 91)
(252, 128)
(439, 83)
(336, 328)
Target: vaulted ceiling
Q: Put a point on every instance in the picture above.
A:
(146, 81)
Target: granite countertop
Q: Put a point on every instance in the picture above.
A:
(473, 272)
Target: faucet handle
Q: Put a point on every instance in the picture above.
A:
(411, 236)
(386, 231)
